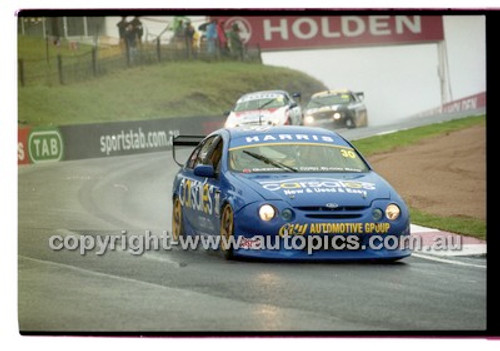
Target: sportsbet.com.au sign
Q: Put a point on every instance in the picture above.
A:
(45, 146)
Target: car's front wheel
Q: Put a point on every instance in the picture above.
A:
(226, 231)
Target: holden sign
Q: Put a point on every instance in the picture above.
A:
(308, 32)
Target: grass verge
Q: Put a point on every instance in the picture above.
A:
(460, 225)
(389, 142)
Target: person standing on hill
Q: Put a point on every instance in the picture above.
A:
(131, 43)
(211, 36)
(235, 42)
(138, 29)
(221, 34)
(189, 34)
(121, 31)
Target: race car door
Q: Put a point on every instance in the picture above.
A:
(204, 213)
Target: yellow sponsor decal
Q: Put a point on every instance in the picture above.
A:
(293, 229)
(334, 228)
(199, 196)
(377, 228)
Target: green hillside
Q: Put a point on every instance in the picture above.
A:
(167, 89)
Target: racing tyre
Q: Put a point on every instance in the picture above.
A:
(349, 123)
(177, 227)
(226, 231)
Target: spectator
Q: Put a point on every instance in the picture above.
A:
(221, 34)
(179, 34)
(188, 35)
(131, 43)
(235, 42)
(211, 37)
(196, 42)
(121, 31)
(138, 29)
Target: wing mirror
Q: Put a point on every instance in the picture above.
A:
(206, 171)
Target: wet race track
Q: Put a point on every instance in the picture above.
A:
(176, 290)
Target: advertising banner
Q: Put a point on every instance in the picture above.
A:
(469, 103)
(45, 145)
(473, 104)
(22, 146)
(131, 137)
(315, 32)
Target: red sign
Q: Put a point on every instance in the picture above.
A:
(469, 103)
(465, 104)
(310, 32)
(22, 146)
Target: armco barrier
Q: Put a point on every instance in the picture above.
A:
(74, 142)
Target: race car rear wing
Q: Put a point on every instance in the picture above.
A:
(185, 140)
(360, 95)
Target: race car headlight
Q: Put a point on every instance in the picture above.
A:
(230, 124)
(275, 121)
(392, 212)
(337, 115)
(267, 212)
(308, 119)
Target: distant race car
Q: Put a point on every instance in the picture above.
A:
(265, 186)
(271, 107)
(340, 108)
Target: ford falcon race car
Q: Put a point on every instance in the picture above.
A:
(287, 193)
(340, 108)
(272, 107)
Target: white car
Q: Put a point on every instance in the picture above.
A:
(269, 108)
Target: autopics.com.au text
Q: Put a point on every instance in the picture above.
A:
(138, 244)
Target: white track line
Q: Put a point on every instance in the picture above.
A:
(388, 132)
(444, 260)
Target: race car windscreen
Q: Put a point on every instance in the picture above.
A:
(328, 100)
(256, 104)
(272, 158)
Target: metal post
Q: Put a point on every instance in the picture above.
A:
(259, 54)
(47, 48)
(20, 64)
(444, 74)
(85, 27)
(60, 69)
(94, 61)
(65, 26)
(158, 52)
(127, 52)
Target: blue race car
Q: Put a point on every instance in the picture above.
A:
(287, 193)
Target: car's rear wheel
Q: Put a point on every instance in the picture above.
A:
(226, 231)
(177, 228)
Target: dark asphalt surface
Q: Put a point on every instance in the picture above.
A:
(193, 291)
